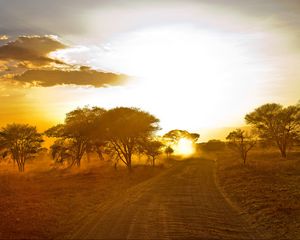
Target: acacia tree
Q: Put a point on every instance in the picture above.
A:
(124, 128)
(169, 151)
(241, 142)
(60, 151)
(78, 131)
(175, 135)
(172, 138)
(276, 124)
(21, 142)
(152, 149)
(98, 144)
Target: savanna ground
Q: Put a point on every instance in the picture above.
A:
(266, 189)
(45, 203)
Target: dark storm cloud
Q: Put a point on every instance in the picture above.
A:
(82, 77)
(31, 48)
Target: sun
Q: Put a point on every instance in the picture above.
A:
(184, 147)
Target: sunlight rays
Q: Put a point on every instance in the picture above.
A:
(177, 68)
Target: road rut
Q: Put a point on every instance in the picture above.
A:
(183, 202)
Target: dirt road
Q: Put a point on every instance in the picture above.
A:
(183, 202)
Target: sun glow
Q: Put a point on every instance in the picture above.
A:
(184, 147)
(177, 68)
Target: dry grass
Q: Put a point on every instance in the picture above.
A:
(267, 188)
(50, 203)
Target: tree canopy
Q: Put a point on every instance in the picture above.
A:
(278, 124)
(152, 149)
(78, 131)
(176, 134)
(242, 142)
(169, 151)
(21, 142)
(124, 128)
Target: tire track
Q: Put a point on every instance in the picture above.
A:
(183, 202)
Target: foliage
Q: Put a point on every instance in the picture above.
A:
(241, 142)
(21, 142)
(152, 149)
(277, 124)
(61, 151)
(175, 135)
(214, 145)
(125, 128)
(78, 131)
(169, 151)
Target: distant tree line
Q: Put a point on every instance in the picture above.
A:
(123, 132)
(119, 133)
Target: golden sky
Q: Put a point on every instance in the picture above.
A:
(196, 65)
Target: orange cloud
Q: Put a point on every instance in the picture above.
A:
(3, 37)
(26, 61)
(34, 49)
(84, 76)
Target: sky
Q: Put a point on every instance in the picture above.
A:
(196, 65)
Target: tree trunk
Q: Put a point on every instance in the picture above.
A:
(88, 157)
(282, 148)
(21, 167)
(129, 161)
(283, 153)
(129, 167)
(78, 162)
(129, 164)
(245, 157)
(100, 155)
(153, 161)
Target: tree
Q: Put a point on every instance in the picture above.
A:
(125, 128)
(172, 139)
(214, 145)
(21, 142)
(79, 131)
(61, 151)
(241, 142)
(175, 135)
(152, 149)
(276, 124)
(169, 151)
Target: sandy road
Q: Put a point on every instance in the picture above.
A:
(183, 202)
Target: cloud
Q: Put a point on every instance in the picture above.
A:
(3, 37)
(34, 49)
(82, 77)
(26, 61)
